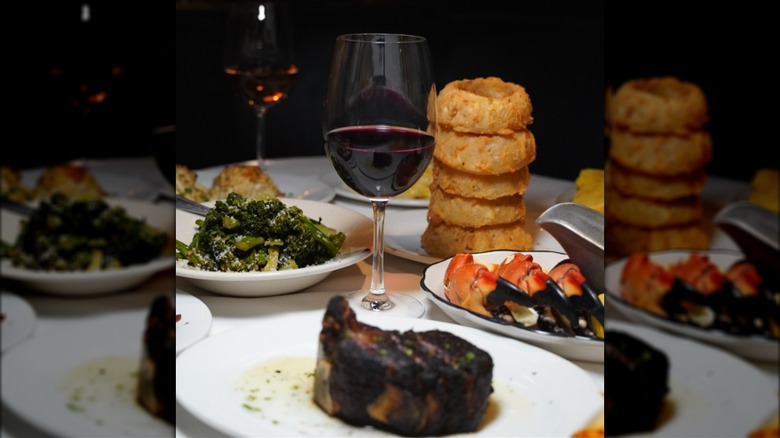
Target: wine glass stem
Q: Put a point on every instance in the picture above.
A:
(260, 140)
(377, 299)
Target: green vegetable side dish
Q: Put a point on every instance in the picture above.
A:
(245, 235)
(76, 235)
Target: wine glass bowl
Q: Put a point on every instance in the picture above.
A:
(258, 58)
(379, 129)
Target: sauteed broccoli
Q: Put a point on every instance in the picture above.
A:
(78, 235)
(241, 235)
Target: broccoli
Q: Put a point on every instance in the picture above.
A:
(242, 235)
(79, 235)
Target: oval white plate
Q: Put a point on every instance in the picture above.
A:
(18, 319)
(549, 395)
(331, 178)
(195, 321)
(357, 227)
(576, 347)
(34, 373)
(159, 216)
(754, 347)
(712, 392)
(293, 186)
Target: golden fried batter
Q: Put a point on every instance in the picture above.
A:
(187, 185)
(485, 154)
(471, 185)
(622, 239)
(661, 154)
(246, 180)
(74, 181)
(657, 105)
(484, 106)
(649, 213)
(11, 186)
(474, 212)
(666, 188)
(445, 240)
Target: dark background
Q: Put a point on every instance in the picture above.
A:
(727, 49)
(555, 49)
(54, 63)
(565, 52)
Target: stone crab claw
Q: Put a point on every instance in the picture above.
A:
(581, 295)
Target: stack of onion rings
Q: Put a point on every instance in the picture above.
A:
(480, 168)
(655, 169)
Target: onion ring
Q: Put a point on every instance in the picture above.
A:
(445, 240)
(657, 105)
(621, 239)
(484, 106)
(485, 154)
(474, 212)
(648, 213)
(663, 188)
(667, 155)
(467, 184)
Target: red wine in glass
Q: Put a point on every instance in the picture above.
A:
(379, 161)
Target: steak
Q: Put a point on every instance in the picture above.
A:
(157, 372)
(637, 385)
(409, 383)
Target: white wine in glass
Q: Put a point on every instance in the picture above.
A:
(258, 58)
(379, 128)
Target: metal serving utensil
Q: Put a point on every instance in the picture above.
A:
(580, 231)
(185, 204)
(756, 231)
(16, 207)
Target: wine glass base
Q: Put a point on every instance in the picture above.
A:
(397, 304)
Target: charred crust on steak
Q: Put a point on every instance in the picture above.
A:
(409, 383)
(156, 377)
(637, 385)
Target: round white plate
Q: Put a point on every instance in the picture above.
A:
(712, 393)
(575, 347)
(357, 227)
(36, 375)
(18, 320)
(128, 177)
(753, 347)
(536, 392)
(159, 216)
(331, 178)
(403, 231)
(293, 186)
(195, 321)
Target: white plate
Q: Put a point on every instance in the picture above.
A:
(575, 347)
(754, 347)
(357, 227)
(537, 393)
(403, 231)
(331, 178)
(36, 374)
(97, 282)
(712, 393)
(130, 177)
(293, 186)
(195, 321)
(18, 320)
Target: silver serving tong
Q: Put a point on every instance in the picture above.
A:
(185, 204)
(755, 230)
(580, 231)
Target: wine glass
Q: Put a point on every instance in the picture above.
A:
(379, 127)
(258, 58)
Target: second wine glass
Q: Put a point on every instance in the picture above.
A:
(379, 127)
(258, 58)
